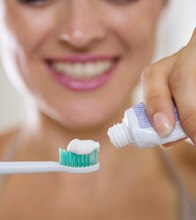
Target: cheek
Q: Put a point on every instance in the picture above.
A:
(29, 28)
(138, 38)
(22, 42)
(135, 36)
(135, 28)
(135, 33)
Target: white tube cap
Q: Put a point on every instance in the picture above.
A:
(119, 135)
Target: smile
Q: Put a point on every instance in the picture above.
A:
(82, 73)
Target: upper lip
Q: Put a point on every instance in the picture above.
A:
(82, 58)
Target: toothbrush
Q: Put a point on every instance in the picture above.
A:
(69, 162)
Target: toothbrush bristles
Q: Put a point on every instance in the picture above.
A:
(74, 160)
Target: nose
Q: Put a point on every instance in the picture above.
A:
(82, 25)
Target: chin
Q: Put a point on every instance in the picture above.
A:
(83, 116)
(85, 122)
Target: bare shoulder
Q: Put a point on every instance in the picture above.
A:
(6, 138)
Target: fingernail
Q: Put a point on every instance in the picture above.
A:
(162, 124)
(189, 141)
(194, 140)
(165, 148)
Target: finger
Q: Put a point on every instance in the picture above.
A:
(193, 38)
(182, 82)
(171, 144)
(157, 96)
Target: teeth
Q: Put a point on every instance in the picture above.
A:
(83, 71)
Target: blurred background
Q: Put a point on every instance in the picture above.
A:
(176, 27)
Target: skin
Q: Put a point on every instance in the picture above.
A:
(109, 36)
(60, 114)
(173, 77)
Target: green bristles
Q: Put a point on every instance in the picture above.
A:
(70, 159)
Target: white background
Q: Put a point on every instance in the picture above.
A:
(177, 25)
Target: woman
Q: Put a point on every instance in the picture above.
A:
(79, 62)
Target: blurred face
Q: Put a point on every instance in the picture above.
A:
(80, 59)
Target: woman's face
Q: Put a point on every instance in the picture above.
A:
(80, 59)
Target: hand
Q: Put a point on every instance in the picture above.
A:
(172, 77)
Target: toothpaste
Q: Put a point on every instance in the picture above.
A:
(136, 129)
(82, 147)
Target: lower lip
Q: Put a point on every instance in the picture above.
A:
(83, 85)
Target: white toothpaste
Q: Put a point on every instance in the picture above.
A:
(82, 146)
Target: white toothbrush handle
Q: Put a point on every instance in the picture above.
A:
(42, 167)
